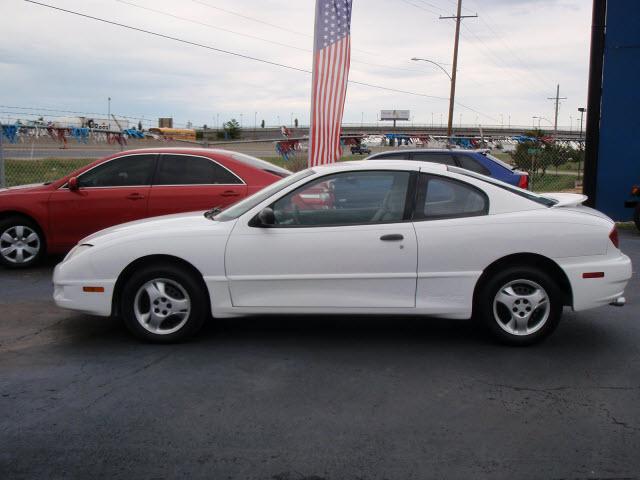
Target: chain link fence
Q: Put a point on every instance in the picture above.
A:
(553, 165)
(35, 155)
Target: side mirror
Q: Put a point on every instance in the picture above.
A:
(73, 184)
(266, 217)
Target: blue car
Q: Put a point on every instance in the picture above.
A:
(479, 161)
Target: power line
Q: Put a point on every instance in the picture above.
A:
(208, 25)
(240, 55)
(253, 19)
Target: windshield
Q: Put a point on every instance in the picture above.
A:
(547, 202)
(248, 203)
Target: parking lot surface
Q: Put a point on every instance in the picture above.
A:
(315, 398)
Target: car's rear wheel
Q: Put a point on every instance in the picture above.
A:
(636, 216)
(519, 305)
(21, 242)
(164, 303)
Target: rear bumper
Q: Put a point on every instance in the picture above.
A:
(631, 203)
(595, 292)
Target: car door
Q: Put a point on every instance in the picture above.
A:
(113, 192)
(343, 240)
(449, 214)
(185, 183)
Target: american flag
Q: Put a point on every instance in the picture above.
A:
(331, 59)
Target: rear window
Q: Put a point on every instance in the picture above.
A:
(261, 164)
(547, 202)
(466, 161)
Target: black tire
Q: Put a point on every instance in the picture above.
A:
(171, 275)
(636, 216)
(9, 228)
(491, 286)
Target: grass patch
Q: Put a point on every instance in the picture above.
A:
(552, 183)
(23, 172)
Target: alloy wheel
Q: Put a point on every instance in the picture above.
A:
(521, 307)
(162, 306)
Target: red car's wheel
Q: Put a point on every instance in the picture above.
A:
(21, 242)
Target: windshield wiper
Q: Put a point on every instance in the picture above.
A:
(213, 212)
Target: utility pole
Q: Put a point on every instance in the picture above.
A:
(557, 99)
(454, 70)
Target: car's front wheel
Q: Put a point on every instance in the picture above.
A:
(164, 303)
(519, 305)
(21, 242)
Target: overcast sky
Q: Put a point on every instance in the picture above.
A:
(511, 58)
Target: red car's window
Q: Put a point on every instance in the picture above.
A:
(192, 170)
(127, 171)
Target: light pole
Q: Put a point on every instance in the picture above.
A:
(255, 120)
(240, 120)
(451, 94)
(109, 113)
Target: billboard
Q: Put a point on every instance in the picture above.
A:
(394, 114)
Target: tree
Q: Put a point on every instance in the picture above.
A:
(296, 122)
(232, 129)
(139, 125)
(262, 124)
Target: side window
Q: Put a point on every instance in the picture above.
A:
(130, 170)
(191, 170)
(434, 157)
(350, 198)
(440, 197)
(472, 164)
(392, 156)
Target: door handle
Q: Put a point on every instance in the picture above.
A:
(392, 237)
(135, 196)
(230, 193)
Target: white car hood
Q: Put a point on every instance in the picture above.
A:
(167, 225)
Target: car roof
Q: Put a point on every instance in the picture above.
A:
(384, 165)
(195, 150)
(457, 151)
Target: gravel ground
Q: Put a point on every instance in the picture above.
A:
(315, 398)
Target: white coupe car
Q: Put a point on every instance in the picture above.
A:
(387, 237)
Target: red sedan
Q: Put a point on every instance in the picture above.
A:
(128, 186)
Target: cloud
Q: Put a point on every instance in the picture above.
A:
(510, 58)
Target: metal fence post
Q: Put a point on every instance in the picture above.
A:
(3, 180)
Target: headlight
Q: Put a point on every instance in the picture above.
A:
(76, 250)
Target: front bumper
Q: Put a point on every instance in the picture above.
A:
(595, 292)
(69, 294)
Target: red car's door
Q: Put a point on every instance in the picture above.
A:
(113, 192)
(185, 183)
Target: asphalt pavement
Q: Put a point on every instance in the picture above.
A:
(315, 398)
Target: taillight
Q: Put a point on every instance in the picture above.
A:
(523, 182)
(635, 191)
(613, 236)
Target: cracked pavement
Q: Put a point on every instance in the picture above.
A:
(315, 398)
